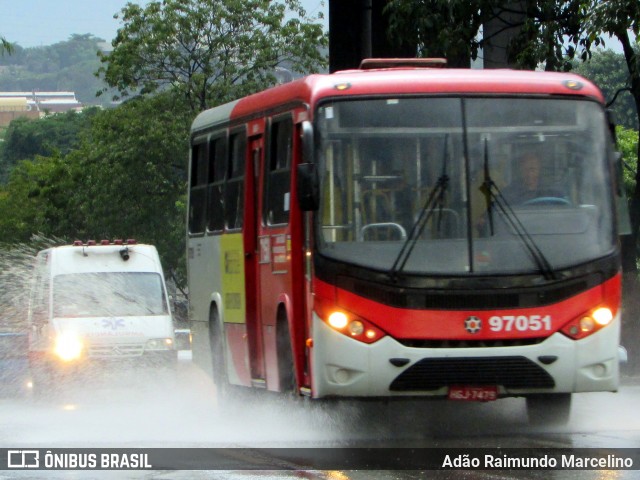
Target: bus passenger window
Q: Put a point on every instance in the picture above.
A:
(277, 191)
(197, 194)
(234, 195)
(217, 174)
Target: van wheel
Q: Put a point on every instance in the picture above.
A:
(549, 409)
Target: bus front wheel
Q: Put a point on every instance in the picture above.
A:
(216, 343)
(549, 409)
(286, 365)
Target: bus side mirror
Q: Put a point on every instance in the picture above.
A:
(307, 142)
(308, 187)
(308, 184)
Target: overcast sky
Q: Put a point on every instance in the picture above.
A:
(32, 23)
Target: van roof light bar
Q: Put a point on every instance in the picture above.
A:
(118, 241)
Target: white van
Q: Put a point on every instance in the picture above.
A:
(94, 303)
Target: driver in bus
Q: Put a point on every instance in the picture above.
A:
(529, 185)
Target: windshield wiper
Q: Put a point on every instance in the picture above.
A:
(493, 195)
(435, 199)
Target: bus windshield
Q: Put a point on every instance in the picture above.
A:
(108, 294)
(467, 182)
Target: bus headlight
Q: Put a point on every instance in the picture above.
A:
(159, 344)
(602, 316)
(354, 327)
(338, 320)
(68, 346)
(589, 323)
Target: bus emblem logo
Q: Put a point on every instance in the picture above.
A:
(473, 324)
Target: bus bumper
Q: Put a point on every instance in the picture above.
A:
(344, 367)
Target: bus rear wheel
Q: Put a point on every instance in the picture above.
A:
(549, 409)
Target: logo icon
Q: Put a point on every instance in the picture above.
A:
(473, 325)
(23, 459)
(113, 323)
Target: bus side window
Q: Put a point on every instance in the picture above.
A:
(216, 181)
(197, 193)
(277, 191)
(234, 195)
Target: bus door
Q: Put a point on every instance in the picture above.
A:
(252, 257)
(274, 242)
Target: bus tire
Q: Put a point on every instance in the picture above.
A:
(549, 409)
(286, 366)
(216, 344)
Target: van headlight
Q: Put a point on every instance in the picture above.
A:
(68, 346)
(159, 344)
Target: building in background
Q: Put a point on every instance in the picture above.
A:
(35, 104)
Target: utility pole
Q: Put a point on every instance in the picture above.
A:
(498, 32)
(358, 30)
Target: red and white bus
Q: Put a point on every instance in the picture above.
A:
(375, 233)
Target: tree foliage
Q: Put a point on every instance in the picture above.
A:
(608, 70)
(122, 172)
(133, 168)
(542, 32)
(26, 138)
(5, 46)
(439, 28)
(628, 147)
(211, 51)
(125, 178)
(66, 66)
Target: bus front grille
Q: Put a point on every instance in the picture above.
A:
(515, 342)
(509, 372)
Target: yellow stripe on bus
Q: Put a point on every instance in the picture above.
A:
(233, 290)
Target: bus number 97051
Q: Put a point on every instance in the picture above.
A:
(520, 323)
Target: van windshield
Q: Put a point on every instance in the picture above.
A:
(108, 294)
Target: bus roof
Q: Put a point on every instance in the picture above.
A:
(399, 81)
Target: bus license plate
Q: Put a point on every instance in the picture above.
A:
(485, 393)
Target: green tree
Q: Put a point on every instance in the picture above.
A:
(68, 66)
(26, 138)
(543, 32)
(608, 70)
(36, 199)
(621, 20)
(211, 51)
(125, 178)
(628, 146)
(133, 183)
(5, 46)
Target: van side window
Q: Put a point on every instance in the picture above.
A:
(278, 179)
